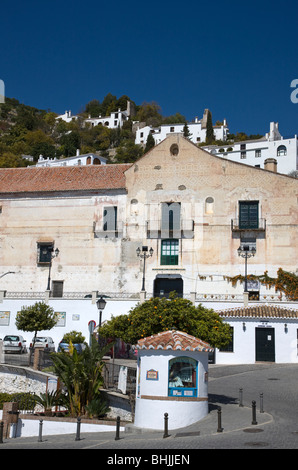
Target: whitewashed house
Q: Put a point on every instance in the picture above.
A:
(197, 130)
(67, 117)
(256, 152)
(84, 159)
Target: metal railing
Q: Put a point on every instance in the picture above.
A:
(111, 375)
(259, 224)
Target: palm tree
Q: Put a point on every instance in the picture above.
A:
(81, 374)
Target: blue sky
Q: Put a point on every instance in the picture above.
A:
(237, 59)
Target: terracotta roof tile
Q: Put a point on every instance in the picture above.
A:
(175, 340)
(68, 178)
(259, 311)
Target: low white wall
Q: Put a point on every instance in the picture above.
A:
(30, 428)
(150, 413)
(21, 380)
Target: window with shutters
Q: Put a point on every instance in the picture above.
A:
(248, 214)
(110, 219)
(170, 219)
(57, 288)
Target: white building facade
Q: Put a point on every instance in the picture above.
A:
(77, 160)
(197, 130)
(194, 209)
(256, 152)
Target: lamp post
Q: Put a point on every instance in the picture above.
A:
(144, 254)
(53, 255)
(100, 303)
(246, 253)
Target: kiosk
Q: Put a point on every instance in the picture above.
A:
(172, 377)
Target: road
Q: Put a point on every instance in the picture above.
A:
(276, 428)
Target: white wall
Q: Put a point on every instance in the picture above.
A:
(78, 315)
(244, 340)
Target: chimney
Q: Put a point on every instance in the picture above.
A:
(78, 152)
(270, 164)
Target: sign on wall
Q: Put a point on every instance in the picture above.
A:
(61, 316)
(4, 318)
(152, 374)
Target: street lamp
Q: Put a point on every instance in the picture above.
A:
(53, 255)
(100, 303)
(245, 252)
(144, 254)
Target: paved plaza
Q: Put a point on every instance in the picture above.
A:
(274, 388)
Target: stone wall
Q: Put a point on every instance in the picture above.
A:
(21, 380)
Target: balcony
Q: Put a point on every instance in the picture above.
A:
(256, 225)
(157, 230)
(99, 232)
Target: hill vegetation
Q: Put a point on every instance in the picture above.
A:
(28, 131)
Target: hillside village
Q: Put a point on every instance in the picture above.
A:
(116, 184)
(119, 131)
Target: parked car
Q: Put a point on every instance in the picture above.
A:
(14, 343)
(65, 346)
(44, 342)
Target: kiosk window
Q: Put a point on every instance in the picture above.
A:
(183, 377)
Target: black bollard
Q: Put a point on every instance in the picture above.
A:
(219, 427)
(117, 437)
(1, 432)
(261, 403)
(240, 396)
(40, 431)
(254, 416)
(78, 429)
(166, 419)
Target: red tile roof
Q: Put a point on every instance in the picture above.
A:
(259, 311)
(67, 178)
(175, 340)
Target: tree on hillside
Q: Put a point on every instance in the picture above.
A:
(93, 108)
(128, 152)
(186, 132)
(160, 314)
(174, 119)
(209, 129)
(70, 143)
(149, 113)
(150, 143)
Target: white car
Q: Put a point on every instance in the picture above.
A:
(44, 342)
(14, 343)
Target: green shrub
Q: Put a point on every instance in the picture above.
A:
(74, 337)
(98, 406)
(25, 400)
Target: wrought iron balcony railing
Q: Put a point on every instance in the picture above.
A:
(157, 229)
(256, 224)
